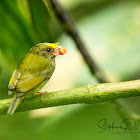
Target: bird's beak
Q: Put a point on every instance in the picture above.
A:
(61, 51)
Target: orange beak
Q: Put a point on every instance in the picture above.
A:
(61, 51)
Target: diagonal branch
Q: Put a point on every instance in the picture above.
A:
(70, 28)
(88, 94)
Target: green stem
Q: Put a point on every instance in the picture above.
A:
(88, 94)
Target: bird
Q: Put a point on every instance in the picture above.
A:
(33, 72)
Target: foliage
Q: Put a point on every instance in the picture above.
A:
(111, 32)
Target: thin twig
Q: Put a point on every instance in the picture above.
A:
(70, 28)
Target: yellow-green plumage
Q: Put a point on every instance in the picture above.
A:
(32, 73)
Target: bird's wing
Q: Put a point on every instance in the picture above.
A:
(29, 81)
(13, 81)
(28, 75)
(24, 82)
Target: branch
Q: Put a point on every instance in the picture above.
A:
(88, 94)
(70, 28)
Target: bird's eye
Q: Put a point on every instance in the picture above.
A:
(48, 50)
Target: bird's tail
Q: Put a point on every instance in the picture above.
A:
(14, 105)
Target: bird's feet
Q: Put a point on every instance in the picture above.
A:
(42, 93)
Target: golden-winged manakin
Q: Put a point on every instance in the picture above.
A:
(33, 72)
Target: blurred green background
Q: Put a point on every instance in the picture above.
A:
(111, 32)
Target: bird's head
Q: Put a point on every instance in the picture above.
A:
(49, 49)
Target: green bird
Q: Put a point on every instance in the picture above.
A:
(33, 72)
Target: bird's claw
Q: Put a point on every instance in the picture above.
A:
(42, 93)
